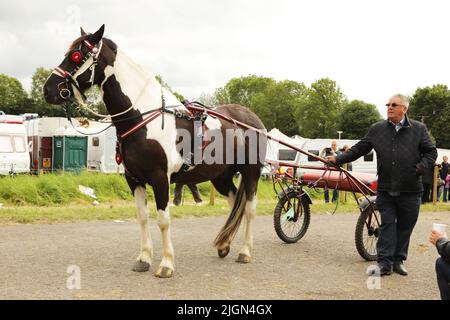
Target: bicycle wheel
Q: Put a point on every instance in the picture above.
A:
(367, 233)
(291, 217)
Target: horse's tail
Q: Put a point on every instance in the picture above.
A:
(230, 228)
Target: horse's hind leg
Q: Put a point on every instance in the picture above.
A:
(224, 184)
(250, 181)
(144, 260)
(160, 183)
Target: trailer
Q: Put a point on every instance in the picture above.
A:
(102, 148)
(14, 152)
(40, 138)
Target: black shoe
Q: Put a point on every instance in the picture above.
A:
(400, 269)
(385, 270)
(382, 270)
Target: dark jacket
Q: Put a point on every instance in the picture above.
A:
(443, 247)
(401, 156)
(444, 170)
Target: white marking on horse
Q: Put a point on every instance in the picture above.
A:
(144, 92)
(146, 254)
(250, 213)
(213, 123)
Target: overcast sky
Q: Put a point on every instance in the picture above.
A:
(372, 49)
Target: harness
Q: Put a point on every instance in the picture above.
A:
(198, 117)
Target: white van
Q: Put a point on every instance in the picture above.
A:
(14, 152)
(367, 163)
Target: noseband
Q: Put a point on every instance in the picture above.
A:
(77, 57)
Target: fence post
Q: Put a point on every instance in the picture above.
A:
(435, 183)
(212, 195)
(343, 194)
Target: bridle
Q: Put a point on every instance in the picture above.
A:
(80, 60)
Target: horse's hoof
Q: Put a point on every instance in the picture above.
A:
(141, 266)
(242, 258)
(164, 272)
(223, 252)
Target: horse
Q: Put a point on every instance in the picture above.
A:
(149, 147)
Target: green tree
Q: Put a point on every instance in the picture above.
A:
(274, 102)
(13, 98)
(94, 100)
(431, 105)
(241, 90)
(356, 117)
(317, 115)
(207, 99)
(40, 106)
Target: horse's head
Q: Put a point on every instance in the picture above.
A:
(82, 67)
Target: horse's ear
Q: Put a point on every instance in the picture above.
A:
(83, 33)
(98, 35)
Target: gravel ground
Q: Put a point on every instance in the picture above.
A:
(323, 265)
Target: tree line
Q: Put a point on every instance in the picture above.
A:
(316, 111)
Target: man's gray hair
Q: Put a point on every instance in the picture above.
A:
(405, 99)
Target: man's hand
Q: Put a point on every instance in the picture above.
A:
(419, 169)
(331, 159)
(436, 235)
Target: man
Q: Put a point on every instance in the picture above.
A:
(326, 152)
(442, 244)
(404, 149)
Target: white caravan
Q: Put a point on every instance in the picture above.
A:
(14, 153)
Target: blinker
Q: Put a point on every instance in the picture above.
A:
(76, 56)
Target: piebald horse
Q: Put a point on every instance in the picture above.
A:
(149, 149)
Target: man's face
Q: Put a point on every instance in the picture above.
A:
(396, 109)
(334, 146)
(445, 158)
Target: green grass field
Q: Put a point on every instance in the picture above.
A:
(55, 198)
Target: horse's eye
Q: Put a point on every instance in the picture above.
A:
(76, 56)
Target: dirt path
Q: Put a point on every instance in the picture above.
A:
(323, 265)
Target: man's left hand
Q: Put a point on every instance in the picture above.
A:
(436, 235)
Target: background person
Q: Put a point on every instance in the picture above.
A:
(327, 152)
(178, 193)
(443, 173)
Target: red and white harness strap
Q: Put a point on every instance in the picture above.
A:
(152, 116)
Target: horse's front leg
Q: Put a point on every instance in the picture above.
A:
(144, 260)
(160, 184)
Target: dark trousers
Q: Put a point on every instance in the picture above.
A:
(179, 188)
(398, 218)
(426, 195)
(443, 278)
(327, 195)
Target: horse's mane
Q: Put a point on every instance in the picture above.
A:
(108, 42)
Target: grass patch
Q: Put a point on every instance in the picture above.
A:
(54, 198)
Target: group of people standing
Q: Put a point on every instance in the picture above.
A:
(443, 182)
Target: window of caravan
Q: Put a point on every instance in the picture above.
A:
(286, 154)
(19, 144)
(316, 152)
(368, 157)
(6, 144)
(95, 141)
